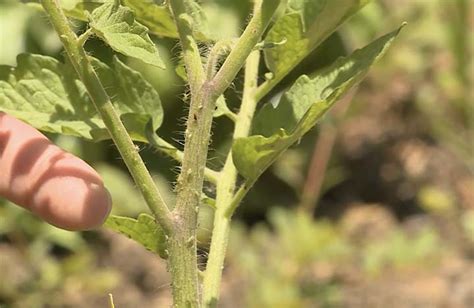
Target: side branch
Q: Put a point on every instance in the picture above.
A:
(262, 15)
(191, 55)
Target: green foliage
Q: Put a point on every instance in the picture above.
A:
(143, 230)
(295, 261)
(400, 250)
(277, 265)
(301, 108)
(116, 25)
(302, 28)
(47, 94)
(50, 96)
(156, 17)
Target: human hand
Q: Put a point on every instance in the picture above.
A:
(57, 186)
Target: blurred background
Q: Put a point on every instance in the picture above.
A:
(373, 208)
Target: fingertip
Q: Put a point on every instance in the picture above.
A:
(57, 186)
(78, 206)
(95, 209)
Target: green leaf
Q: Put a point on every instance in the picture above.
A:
(301, 107)
(223, 20)
(49, 96)
(305, 25)
(139, 101)
(212, 21)
(77, 9)
(143, 230)
(80, 9)
(198, 20)
(157, 18)
(116, 25)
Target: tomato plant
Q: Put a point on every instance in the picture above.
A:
(85, 97)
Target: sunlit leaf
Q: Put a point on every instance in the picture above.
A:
(155, 16)
(77, 9)
(305, 25)
(301, 107)
(143, 230)
(116, 25)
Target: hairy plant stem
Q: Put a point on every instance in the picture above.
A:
(103, 104)
(182, 247)
(191, 55)
(226, 187)
(241, 53)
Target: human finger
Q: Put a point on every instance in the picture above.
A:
(57, 186)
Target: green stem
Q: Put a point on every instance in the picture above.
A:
(219, 50)
(226, 187)
(182, 247)
(191, 55)
(183, 258)
(99, 97)
(267, 86)
(240, 54)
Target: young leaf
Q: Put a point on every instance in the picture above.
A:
(48, 95)
(116, 25)
(143, 230)
(301, 107)
(305, 25)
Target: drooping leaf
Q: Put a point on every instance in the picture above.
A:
(305, 25)
(301, 107)
(143, 230)
(49, 96)
(116, 25)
